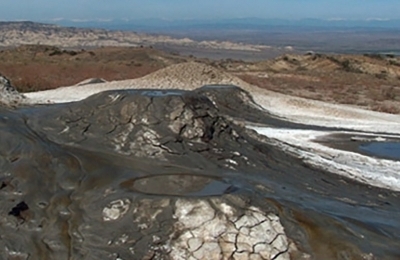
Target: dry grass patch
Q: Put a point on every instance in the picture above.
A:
(36, 67)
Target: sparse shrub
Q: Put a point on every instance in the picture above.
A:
(375, 94)
(382, 75)
(394, 63)
(388, 92)
(71, 53)
(362, 102)
(301, 68)
(55, 52)
(386, 108)
(346, 65)
(310, 88)
(374, 56)
(333, 59)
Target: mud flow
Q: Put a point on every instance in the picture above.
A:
(146, 174)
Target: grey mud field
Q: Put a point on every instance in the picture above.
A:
(171, 174)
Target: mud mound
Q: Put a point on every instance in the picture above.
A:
(191, 75)
(151, 123)
(185, 76)
(98, 158)
(169, 174)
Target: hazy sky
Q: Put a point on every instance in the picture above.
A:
(37, 10)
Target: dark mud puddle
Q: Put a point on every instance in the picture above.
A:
(179, 185)
(390, 150)
(387, 147)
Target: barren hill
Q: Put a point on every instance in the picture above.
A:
(18, 33)
(370, 81)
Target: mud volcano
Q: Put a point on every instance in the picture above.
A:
(148, 174)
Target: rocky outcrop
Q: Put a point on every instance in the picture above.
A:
(9, 96)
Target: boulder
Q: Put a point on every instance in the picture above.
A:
(9, 96)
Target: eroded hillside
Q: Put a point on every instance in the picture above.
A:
(370, 81)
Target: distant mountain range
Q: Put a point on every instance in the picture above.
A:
(28, 33)
(338, 35)
(247, 34)
(157, 25)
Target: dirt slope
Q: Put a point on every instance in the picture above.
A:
(369, 81)
(37, 67)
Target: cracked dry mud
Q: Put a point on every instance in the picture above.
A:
(169, 174)
(207, 228)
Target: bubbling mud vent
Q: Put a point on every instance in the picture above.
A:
(144, 174)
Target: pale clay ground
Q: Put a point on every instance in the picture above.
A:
(210, 229)
(199, 242)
